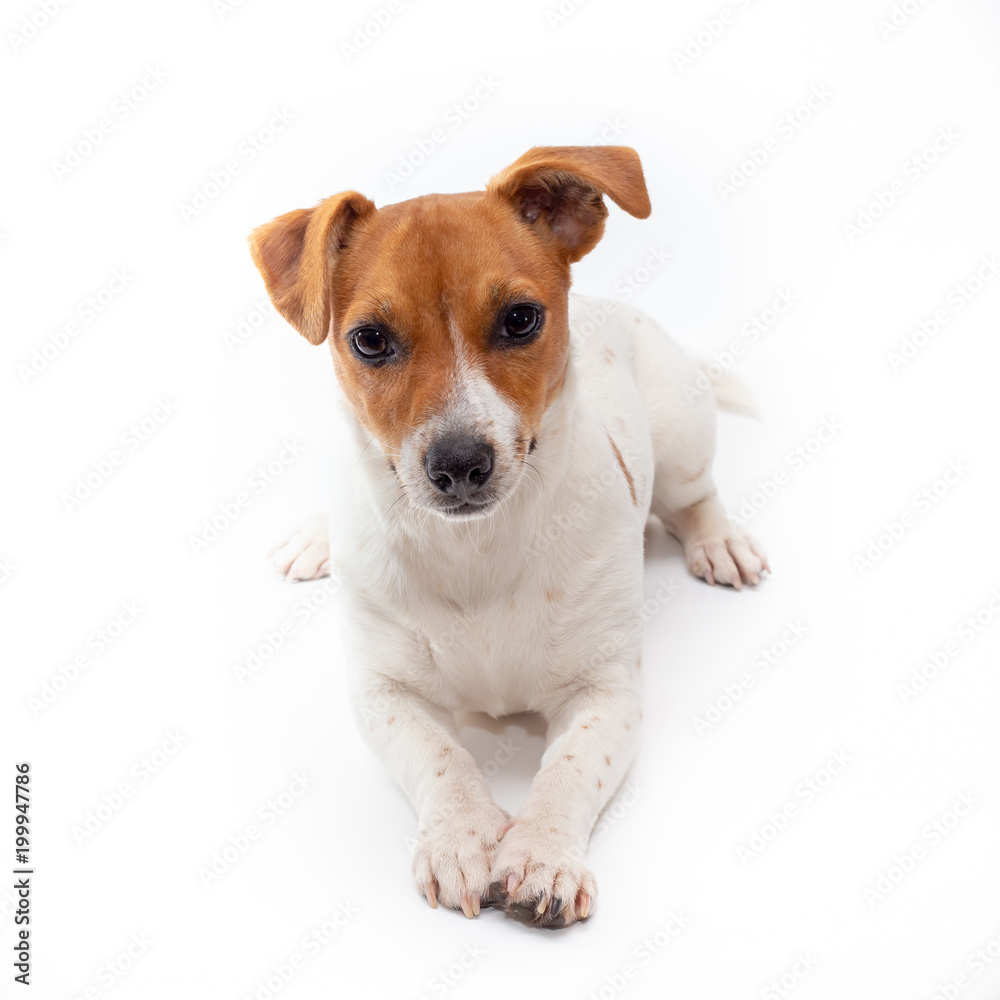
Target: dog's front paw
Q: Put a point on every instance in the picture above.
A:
(454, 856)
(726, 556)
(543, 873)
(306, 555)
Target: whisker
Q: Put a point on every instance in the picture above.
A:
(535, 471)
(401, 496)
(363, 450)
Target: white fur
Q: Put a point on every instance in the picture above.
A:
(523, 611)
(476, 408)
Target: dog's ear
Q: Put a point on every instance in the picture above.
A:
(296, 254)
(557, 191)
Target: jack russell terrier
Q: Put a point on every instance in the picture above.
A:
(483, 420)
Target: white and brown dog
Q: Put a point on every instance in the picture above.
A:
(458, 350)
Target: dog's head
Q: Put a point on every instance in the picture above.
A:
(446, 314)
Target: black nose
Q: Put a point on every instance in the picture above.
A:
(458, 466)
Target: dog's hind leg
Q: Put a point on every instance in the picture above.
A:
(681, 408)
(715, 549)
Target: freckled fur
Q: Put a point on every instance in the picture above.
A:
(625, 472)
(506, 613)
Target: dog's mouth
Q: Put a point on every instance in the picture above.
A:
(465, 510)
(480, 505)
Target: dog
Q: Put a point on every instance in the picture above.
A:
(506, 451)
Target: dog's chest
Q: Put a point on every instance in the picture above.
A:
(502, 624)
(491, 654)
(500, 614)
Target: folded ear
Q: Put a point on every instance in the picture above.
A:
(557, 191)
(296, 254)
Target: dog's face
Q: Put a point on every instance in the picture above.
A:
(446, 314)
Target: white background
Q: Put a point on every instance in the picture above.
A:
(699, 794)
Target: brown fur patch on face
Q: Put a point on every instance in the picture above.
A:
(624, 468)
(435, 276)
(439, 272)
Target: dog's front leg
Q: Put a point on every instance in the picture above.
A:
(457, 818)
(541, 864)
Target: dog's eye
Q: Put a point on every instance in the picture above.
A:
(371, 343)
(522, 321)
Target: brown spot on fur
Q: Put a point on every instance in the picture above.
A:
(683, 477)
(624, 468)
(628, 725)
(445, 751)
(585, 726)
(609, 355)
(569, 756)
(553, 595)
(600, 784)
(441, 772)
(390, 720)
(607, 760)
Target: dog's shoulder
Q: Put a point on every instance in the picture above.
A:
(607, 331)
